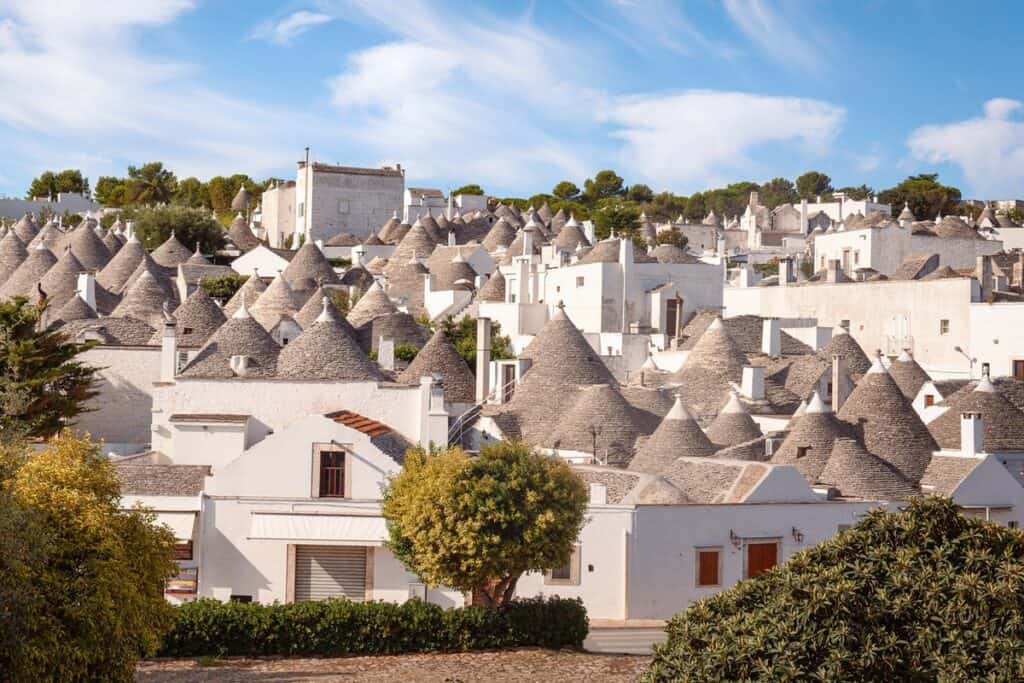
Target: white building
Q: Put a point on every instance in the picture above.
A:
(419, 201)
(66, 202)
(332, 199)
(277, 213)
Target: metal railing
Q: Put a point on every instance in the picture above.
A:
(461, 425)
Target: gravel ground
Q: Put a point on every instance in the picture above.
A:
(463, 667)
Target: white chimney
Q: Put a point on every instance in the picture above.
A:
(785, 272)
(483, 359)
(451, 238)
(753, 383)
(971, 434)
(87, 289)
(598, 493)
(771, 337)
(240, 365)
(168, 351)
(386, 353)
(840, 382)
(319, 245)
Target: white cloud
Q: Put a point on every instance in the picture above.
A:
(699, 137)
(988, 149)
(284, 31)
(784, 34)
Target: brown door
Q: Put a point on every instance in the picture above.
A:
(672, 311)
(508, 379)
(761, 557)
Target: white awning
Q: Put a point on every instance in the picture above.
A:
(183, 524)
(352, 529)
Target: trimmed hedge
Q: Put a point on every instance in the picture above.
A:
(340, 627)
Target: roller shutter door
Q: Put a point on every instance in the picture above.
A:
(325, 571)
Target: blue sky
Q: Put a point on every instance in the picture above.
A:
(517, 96)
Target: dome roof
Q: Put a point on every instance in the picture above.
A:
(171, 253)
(677, 435)
(198, 318)
(240, 335)
(325, 350)
(439, 357)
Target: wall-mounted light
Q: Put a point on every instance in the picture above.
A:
(798, 535)
(736, 540)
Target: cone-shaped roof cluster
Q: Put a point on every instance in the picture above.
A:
(708, 373)
(115, 274)
(240, 335)
(908, 375)
(372, 304)
(809, 442)
(843, 344)
(326, 350)
(677, 435)
(733, 425)
(860, 474)
(439, 357)
(600, 417)
(171, 253)
(308, 267)
(249, 292)
(1002, 422)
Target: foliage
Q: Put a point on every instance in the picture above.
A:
(666, 206)
(695, 209)
(340, 262)
(336, 628)
(479, 524)
(925, 195)
(807, 267)
(224, 286)
(42, 385)
(618, 218)
(342, 300)
(153, 226)
(566, 190)
(812, 184)
(673, 237)
(920, 595)
(640, 193)
(778, 191)
(462, 335)
(192, 192)
(50, 184)
(468, 189)
(767, 269)
(222, 191)
(604, 184)
(858, 193)
(406, 352)
(151, 183)
(91, 588)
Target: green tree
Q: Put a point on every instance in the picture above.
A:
(858, 193)
(924, 193)
(603, 185)
(50, 184)
(812, 184)
(924, 594)
(619, 218)
(151, 184)
(673, 237)
(666, 206)
(223, 287)
(778, 191)
(111, 191)
(154, 225)
(222, 191)
(468, 189)
(42, 385)
(566, 190)
(91, 586)
(192, 192)
(462, 335)
(695, 209)
(640, 193)
(481, 523)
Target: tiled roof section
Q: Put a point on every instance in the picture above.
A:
(194, 273)
(171, 253)
(811, 437)
(945, 472)
(433, 229)
(197, 259)
(326, 350)
(372, 304)
(709, 371)
(948, 387)
(943, 273)
(887, 425)
(161, 480)
(618, 484)
(385, 171)
(115, 274)
(314, 308)
(745, 330)
(604, 251)
(954, 227)
(387, 230)
(357, 276)
(402, 328)
(372, 240)
(494, 289)
(706, 480)
(679, 434)
(753, 450)
(26, 228)
(915, 267)
(733, 425)
(859, 474)
(359, 423)
(110, 331)
(12, 253)
(426, 192)
(908, 375)
(23, 281)
(308, 268)
(650, 404)
(438, 357)
(1010, 387)
(1002, 422)
(249, 291)
(164, 276)
(61, 281)
(600, 416)
(343, 239)
(376, 265)
(519, 244)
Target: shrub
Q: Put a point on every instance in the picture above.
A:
(223, 287)
(210, 628)
(920, 595)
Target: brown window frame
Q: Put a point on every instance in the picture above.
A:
(760, 541)
(699, 578)
(331, 474)
(184, 552)
(929, 400)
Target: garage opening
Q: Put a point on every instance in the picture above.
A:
(327, 571)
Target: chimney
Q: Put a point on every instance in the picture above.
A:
(720, 246)
(169, 350)
(840, 382)
(803, 217)
(753, 383)
(771, 337)
(1018, 270)
(785, 271)
(483, 359)
(358, 255)
(240, 365)
(386, 353)
(983, 273)
(87, 289)
(971, 434)
(319, 245)
(598, 493)
(832, 271)
(451, 238)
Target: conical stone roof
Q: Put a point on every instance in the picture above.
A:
(343, 239)
(74, 309)
(454, 274)
(26, 228)
(144, 300)
(89, 249)
(387, 230)
(148, 265)
(309, 267)
(240, 335)
(499, 236)
(372, 240)
(314, 308)
(1002, 422)
(809, 442)
(417, 243)
(733, 425)
(439, 357)
(405, 285)
(12, 254)
(599, 417)
(171, 253)
(50, 236)
(115, 274)
(197, 258)
(61, 281)
(400, 327)
(887, 425)
(570, 236)
(908, 375)
(198, 318)
(843, 344)
(277, 302)
(23, 281)
(494, 289)
(670, 253)
(249, 292)
(373, 304)
(859, 474)
(706, 376)
(241, 235)
(112, 242)
(433, 229)
(677, 435)
(326, 351)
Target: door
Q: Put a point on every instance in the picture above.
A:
(327, 571)
(508, 382)
(761, 557)
(673, 309)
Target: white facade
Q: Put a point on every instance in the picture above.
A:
(277, 213)
(884, 248)
(334, 199)
(70, 202)
(418, 201)
(262, 260)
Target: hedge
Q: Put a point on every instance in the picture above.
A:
(340, 627)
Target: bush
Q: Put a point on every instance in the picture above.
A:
(210, 628)
(223, 287)
(924, 594)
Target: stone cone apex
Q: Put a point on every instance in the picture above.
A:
(599, 414)
(733, 425)
(439, 358)
(677, 435)
(809, 442)
(816, 406)
(1002, 421)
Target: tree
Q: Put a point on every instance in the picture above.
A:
(603, 185)
(812, 184)
(151, 184)
(50, 184)
(223, 287)
(91, 586)
(462, 335)
(111, 191)
(468, 189)
(666, 206)
(154, 225)
(695, 209)
(858, 193)
(924, 193)
(222, 191)
(42, 385)
(192, 192)
(673, 237)
(640, 193)
(478, 524)
(566, 190)
(778, 191)
(923, 594)
(617, 218)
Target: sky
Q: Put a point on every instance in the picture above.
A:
(516, 96)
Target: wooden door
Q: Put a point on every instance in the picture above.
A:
(761, 557)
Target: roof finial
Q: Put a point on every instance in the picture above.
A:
(243, 311)
(325, 314)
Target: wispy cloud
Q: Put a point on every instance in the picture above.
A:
(785, 34)
(286, 29)
(658, 23)
(989, 149)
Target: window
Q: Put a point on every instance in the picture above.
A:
(579, 282)
(302, 209)
(801, 452)
(761, 556)
(943, 327)
(566, 575)
(845, 324)
(1018, 369)
(856, 257)
(241, 598)
(332, 474)
(183, 551)
(929, 400)
(709, 566)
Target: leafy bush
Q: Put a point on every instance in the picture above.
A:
(406, 352)
(224, 286)
(920, 595)
(339, 627)
(154, 225)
